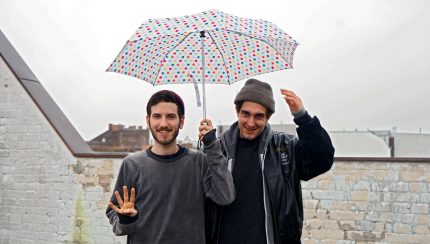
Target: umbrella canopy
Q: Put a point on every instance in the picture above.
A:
(209, 47)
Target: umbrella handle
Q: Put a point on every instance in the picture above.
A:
(199, 144)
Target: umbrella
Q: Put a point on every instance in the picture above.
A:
(210, 47)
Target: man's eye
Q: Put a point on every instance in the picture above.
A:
(259, 116)
(245, 114)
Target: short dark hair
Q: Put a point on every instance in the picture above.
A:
(166, 96)
(239, 106)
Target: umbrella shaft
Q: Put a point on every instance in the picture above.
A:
(202, 37)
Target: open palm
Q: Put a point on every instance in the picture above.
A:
(294, 102)
(126, 207)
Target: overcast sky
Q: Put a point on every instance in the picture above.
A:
(360, 64)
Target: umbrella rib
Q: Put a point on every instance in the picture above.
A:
(167, 53)
(225, 65)
(253, 37)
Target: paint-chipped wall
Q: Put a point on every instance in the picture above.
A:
(96, 179)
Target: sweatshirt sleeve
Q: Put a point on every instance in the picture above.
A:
(121, 224)
(314, 150)
(218, 182)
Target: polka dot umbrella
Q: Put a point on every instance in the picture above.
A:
(209, 47)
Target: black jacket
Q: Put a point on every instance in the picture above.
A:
(285, 161)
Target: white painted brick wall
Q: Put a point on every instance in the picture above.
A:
(38, 188)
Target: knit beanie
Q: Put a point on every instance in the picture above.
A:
(258, 92)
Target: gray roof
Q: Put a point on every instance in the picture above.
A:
(67, 132)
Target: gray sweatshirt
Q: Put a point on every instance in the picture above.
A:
(170, 195)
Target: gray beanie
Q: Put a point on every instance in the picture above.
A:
(258, 92)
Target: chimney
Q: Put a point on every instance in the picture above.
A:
(391, 145)
(115, 128)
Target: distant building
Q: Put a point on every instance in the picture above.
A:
(405, 144)
(119, 138)
(287, 128)
(358, 144)
(187, 142)
(380, 143)
(411, 145)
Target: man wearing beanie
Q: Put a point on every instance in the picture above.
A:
(267, 167)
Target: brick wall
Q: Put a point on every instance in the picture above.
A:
(377, 202)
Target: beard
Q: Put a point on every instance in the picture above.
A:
(164, 141)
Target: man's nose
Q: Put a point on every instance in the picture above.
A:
(163, 121)
(251, 122)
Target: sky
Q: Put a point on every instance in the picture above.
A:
(360, 64)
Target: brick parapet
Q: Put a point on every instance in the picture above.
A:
(369, 202)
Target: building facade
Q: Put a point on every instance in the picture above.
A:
(119, 138)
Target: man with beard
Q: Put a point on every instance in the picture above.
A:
(168, 182)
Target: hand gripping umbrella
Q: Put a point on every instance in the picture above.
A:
(210, 47)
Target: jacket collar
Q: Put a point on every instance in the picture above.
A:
(229, 139)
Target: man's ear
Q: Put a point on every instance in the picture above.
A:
(181, 122)
(147, 121)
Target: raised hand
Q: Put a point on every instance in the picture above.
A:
(293, 101)
(126, 207)
(205, 127)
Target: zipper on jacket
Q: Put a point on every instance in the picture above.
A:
(230, 168)
(262, 159)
